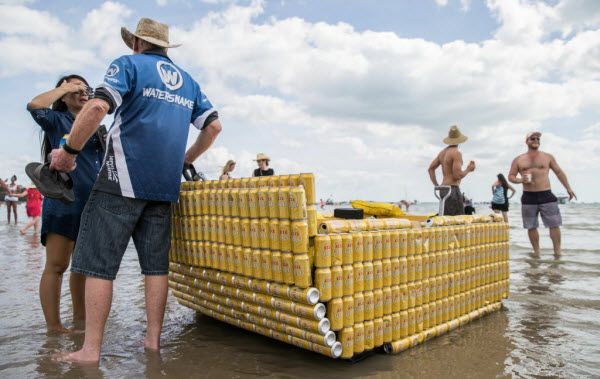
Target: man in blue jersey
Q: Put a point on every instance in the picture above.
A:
(155, 101)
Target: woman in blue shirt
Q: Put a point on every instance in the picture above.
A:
(54, 111)
(500, 200)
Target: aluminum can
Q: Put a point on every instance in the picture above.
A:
(253, 182)
(369, 305)
(287, 267)
(337, 249)
(424, 240)
(411, 268)
(283, 201)
(412, 294)
(418, 242)
(265, 259)
(203, 198)
(426, 290)
(348, 273)
(395, 266)
(377, 245)
(262, 201)
(445, 261)
(283, 181)
(403, 235)
(369, 275)
(311, 212)
(335, 313)
(254, 234)
(439, 264)
(396, 326)
(347, 249)
(243, 203)
(418, 319)
(322, 246)
(451, 260)
(236, 233)
(410, 236)
(412, 327)
(273, 203)
(418, 267)
(337, 281)
(263, 182)
(359, 337)
(227, 225)
(377, 274)
(244, 183)
(357, 243)
(445, 238)
(403, 269)
(253, 203)
(346, 337)
(272, 181)
(386, 265)
(219, 202)
(297, 203)
(276, 266)
(213, 228)
(377, 302)
(299, 233)
(232, 199)
(369, 334)
(386, 246)
(256, 264)
(308, 182)
(348, 310)
(404, 324)
(212, 202)
(367, 246)
(387, 300)
(394, 243)
(419, 293)
(220, 227)
(359, 276)
(359, 307)
(274, 234)
(285, 235)
(196, 203)
(425, 265)
(238, 258)
(387, 329)
(378, 326)
(229, 258)
(426, 313)
(323, 283)
(302, 277)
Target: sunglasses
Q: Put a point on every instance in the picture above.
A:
(534, 139)
(88, 90)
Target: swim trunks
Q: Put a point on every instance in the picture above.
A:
(454, 203)
(543, 203)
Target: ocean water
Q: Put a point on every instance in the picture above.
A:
(550, 325)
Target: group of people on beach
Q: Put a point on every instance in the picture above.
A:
(530, 169)
(33, 207)
(125, 181)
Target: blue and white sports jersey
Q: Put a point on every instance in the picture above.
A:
(155, 103)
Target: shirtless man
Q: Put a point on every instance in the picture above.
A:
(537, 197)
(451, 161)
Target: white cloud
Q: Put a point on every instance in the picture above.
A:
(441, 3)
(20, 20)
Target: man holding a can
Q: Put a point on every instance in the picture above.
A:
(154, 101)
(533, 167)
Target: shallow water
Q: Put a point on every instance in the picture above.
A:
(550, 325)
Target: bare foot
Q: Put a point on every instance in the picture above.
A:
(60, 329)
(77, 357)
(22, 231)
(152, 346)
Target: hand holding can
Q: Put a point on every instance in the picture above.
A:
(527, 177)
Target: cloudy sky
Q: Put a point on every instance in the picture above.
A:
(359, 92)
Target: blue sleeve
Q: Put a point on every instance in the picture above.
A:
(203, 109)
(118, 80)
(45, 118)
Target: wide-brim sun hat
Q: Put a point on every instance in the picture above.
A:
(261, 156)
(455, 136)
(151, 31)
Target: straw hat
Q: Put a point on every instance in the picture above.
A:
(150, 31)
(31, 185)
(261, 156)
(454, 136)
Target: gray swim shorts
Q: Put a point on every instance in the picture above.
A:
(543, 203)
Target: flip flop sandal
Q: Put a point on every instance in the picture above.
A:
(52, 184)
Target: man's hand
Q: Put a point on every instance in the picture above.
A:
(62, 161)
(471, 166)
(571, 194)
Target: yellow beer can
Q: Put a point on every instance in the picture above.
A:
(377, 302)
(412, 294)
(348, 310)
(411, 268)
(396, 326)
(302, 276)
(387, 329)
(219, 202)
(212, 202)
(229, 258)
(359, 276)
(418, 242)
(369, 334)
(418, 319)
(253, 203)
(377, 274)
(403, 269)
(348, 273)
(242, 203)
(359, 337)
(253, 182)
(404, 324)
(346, 337)
(418, 292)
(311, 212)
(396, 299)
(426, 290)
(293, 180)
(262, 201)
(272, 181)
(323, 283)
(418, 267)
(235, 231)
(377, 245)
(425, 265)
(238, 259)
(233, 198)
(412, 321)
(337, 281)
(347, 249)
(263, 233)
(335, 313)
(411, 236)
(357, 244)
(378, 326)
(297, 203)
(403, 235)
(265, 259)
(386, 265)
(285, 235)
(274, 234)
(308, 182)
(386, 244)
(197, 202)
(359, 307)
(387, 300)
(395, 266)
(322, 248)
(337, 249)
(287, 267)
(368, 275)
(263, 182)
(257, 264)
(300, 243)
(394, 243)
(367, 246)
(369, 305)
(273, 203)
(282, 201)
(276, 266)
(254, 233)
(283, 181)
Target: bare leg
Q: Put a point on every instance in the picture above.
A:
(534, 238)
(505, 215)
(36, 225)
(58, 254)
(14, 205)
(98, 298)
(33, 221)
(8, 210)
(156, 300)
(77, 287)
(555, 237)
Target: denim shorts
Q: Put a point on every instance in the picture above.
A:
(108, 222)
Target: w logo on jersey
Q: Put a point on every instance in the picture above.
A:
(170, 75)
(112, 70)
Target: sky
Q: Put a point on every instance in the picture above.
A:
(360, 93)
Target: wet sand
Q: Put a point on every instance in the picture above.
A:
(550, 326)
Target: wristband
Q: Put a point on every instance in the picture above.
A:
(69, 149)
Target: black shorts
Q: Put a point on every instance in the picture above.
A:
(500, 207)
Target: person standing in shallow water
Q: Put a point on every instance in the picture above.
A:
(451, 161)
(34, 208)
(263, 166)
(500, 200)
(537, 197)
(54, 111)
(10, 199)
